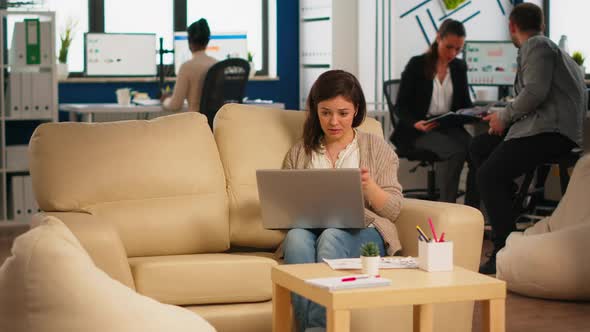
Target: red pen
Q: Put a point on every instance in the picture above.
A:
(432, 230)
(358, 277)
(442, 237)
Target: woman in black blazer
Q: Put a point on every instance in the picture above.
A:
(432, 84)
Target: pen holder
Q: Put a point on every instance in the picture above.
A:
(435, 256)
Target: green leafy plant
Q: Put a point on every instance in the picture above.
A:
(369, 249)
(452, 4)
(578, 58)
(66, 37)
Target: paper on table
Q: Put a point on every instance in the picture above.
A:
(338, 283)
(385, 263)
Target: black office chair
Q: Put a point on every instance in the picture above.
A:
(225, 82)
(425, 158)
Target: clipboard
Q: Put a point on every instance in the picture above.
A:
(452, 119)
(461, 117)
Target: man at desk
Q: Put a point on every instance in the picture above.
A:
(544, 121)
(191, 74)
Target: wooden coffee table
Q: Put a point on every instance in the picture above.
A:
(408, 287)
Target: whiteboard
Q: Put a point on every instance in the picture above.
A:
(490, 62)
(222, 45)
(120, 54)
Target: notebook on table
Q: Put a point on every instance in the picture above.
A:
(311, 198)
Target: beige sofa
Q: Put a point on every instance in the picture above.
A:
(171, 211)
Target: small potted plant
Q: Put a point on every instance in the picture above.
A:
(66, 37)
(251, 62)
(370, 258)
(579, 59)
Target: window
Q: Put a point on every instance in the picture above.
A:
(65, 11)
(232, 16)
(561, 15)
(139, 16)
(255, 17)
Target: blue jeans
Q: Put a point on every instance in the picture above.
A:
(311, 246)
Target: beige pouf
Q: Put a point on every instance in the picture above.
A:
(550, 260)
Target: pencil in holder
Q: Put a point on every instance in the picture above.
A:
(435, 256)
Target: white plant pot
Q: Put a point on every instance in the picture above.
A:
(62, 71)
(370, 265)
(252, 70)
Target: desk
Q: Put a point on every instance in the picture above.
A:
(408, 287)
(87, 111)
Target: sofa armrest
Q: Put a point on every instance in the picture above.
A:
(461, 224)
(101, 241)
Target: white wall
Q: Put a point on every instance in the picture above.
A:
(407, 39)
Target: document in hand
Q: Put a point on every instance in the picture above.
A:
(452, 119)
(461, 117)
(348, 282)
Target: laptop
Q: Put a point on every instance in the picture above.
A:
(311, 198)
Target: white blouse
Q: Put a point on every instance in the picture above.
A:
(442, 95)
(349, 157)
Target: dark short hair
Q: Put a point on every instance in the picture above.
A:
(527, 17)
(199, 33)
(331, 84)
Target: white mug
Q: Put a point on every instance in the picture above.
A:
(123, 96)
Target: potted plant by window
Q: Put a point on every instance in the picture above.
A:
(579, 59)
(66, 37)
(370, 258)
(251, 62)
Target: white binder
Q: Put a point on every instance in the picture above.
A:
(17, 55)
(45, 40)
(14, 98)
(31, 207)
(41, 95)
(18, 198)
(26, 95)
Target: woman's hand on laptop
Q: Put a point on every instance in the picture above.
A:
(371, 190)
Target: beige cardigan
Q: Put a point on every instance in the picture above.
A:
(383, 163)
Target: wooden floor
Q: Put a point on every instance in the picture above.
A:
(522, 313)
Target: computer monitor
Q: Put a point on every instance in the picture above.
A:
(222, 45)
(120, 54)
(490, 63)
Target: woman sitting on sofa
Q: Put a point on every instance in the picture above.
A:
(336, 107)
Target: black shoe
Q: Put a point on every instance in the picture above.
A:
(489, 267)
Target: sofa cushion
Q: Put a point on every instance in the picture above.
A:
(154, 180)
(50, 284)
(264, 135)
(204, 278)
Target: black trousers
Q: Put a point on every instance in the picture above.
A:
(500, 162)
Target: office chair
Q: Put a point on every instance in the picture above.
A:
(225, 82)
(425, 158)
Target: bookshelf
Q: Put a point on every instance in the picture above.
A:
(28, 99)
